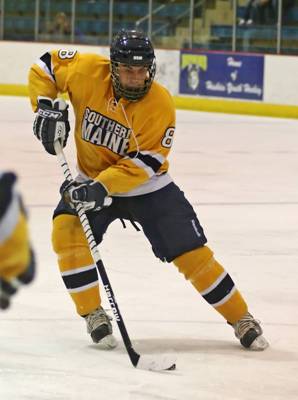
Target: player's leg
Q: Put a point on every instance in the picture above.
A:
(78, 269)
(175, 233)
(218, 288)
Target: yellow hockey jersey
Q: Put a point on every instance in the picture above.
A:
(123, 144)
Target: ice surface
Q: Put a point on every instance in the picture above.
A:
(240, 173)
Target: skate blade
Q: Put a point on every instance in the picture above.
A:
(259, 344)
(108, 342)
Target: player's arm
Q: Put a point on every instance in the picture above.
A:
(149, 158)
(48, 77)
(146, 157)
(17, 264)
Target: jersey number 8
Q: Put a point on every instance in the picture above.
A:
(167, 140)
(63, 54)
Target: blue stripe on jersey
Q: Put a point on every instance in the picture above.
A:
(46, 58)
(150, 161)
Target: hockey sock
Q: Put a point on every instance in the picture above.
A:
(76, 264)
(212, 282)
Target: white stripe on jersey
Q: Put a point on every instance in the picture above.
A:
(139, 163)
(156, 182)
(157, 156)
(45, 68)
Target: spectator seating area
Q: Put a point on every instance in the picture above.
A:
(258, 37)
(170, 23)
(92, 17)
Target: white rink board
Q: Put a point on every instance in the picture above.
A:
(20, 56)
(280, 82)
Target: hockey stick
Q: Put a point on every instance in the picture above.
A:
(150, 363)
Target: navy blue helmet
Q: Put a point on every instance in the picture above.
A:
(132, 48)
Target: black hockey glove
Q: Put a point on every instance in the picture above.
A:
(10, 288)
(90, 194)
(51, 123)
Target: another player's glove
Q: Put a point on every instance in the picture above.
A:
(9, 288)
(90, 194)
(51, 123)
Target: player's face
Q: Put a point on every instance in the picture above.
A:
(132, 76)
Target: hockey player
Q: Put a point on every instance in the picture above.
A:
(17, 264)
(125, 124)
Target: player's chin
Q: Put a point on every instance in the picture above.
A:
(134, 87)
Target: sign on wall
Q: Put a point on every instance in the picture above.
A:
(222, 75)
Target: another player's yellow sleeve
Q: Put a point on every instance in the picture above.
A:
(50, 74)
(148, 148)
(15, 250)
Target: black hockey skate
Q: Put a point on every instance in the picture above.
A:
(100, 328)
(250, 333)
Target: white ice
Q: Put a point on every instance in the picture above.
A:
(240, 173)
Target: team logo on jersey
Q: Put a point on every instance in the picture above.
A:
(103, 131)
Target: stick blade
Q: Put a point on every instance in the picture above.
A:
(156, 363)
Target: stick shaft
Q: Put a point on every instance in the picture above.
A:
(133, 355)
